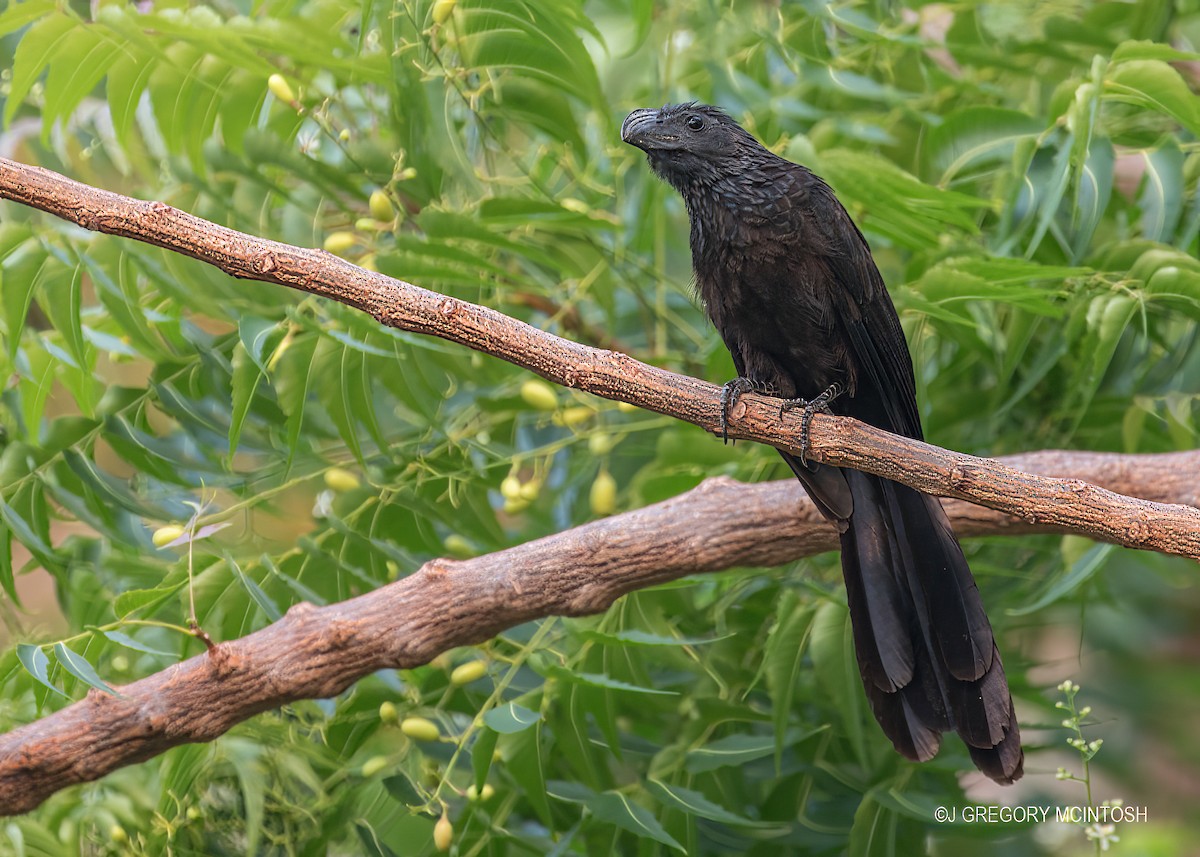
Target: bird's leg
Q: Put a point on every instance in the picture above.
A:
(810, 409)
(732, 391)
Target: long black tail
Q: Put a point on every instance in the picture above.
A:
(925, 648)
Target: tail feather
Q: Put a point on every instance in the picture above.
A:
(924, 645)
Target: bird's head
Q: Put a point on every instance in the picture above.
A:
(689, 144)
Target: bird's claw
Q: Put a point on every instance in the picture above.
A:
(809, 409)
(730, 393)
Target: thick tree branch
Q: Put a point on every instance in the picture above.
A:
(1065, 503)
(316, 652)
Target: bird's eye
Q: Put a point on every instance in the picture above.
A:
(695, 123)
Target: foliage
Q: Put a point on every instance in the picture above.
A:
(1026, 173)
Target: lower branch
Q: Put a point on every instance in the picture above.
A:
(317, 652)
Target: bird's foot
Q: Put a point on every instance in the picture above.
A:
(731, 392)
(810, 408)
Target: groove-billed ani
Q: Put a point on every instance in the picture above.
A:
(790, 284)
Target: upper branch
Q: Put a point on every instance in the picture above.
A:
(841, 441)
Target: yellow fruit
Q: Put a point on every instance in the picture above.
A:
(194, 813)
(441, 11)
(458, 546)
(530, 490)
(514, 505)
(374, 765)
(341, 480)
(381, 206)
(510, 487)
(339, 242)
(388, 713)
(420, 729)
(578, 206)
(281, 89)
(443, 831)
(468, 672)
(163, 536)
(625, 407)
(572, 416)
(601, 443)
(539, 395)
(484, 794)
(344, 135)
(603, 495)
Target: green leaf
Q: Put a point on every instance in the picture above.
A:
(783, 657)
(20, 15)
(35, 662)
(873, 831)
(730, 750)
(1147, 50)
(1067, 581)
(974, 137)
(16, 292)
(372, 845)
(7, 581)
(292, 380)
(635, 637)
(107, 488)
(269, 608)
(614, 808)
(1155, 85)
(27, 535)
(182, 767)
(481, 754)
(37, 46)
(694, 803)
(77, 68)
(1092, 192)
(602, 681)
(246, 378)
(895, 203)
(1161, 197)
(259, 336)
(401, 789)
(129, 642)
(525, 761)
(510, 718)
(61, 303)
(127, 79)
(79, 667)
(832, 648)
(133, 600)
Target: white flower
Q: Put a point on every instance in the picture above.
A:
(1104, 834)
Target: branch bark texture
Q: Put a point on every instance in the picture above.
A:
(1039, 500)
(317, 652)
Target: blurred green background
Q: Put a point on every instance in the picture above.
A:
(1026, 173)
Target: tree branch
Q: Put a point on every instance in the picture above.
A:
(1070, 504)
(317, 652)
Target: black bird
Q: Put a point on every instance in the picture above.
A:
(789, 282)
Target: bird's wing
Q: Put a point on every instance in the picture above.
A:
(872, 327)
